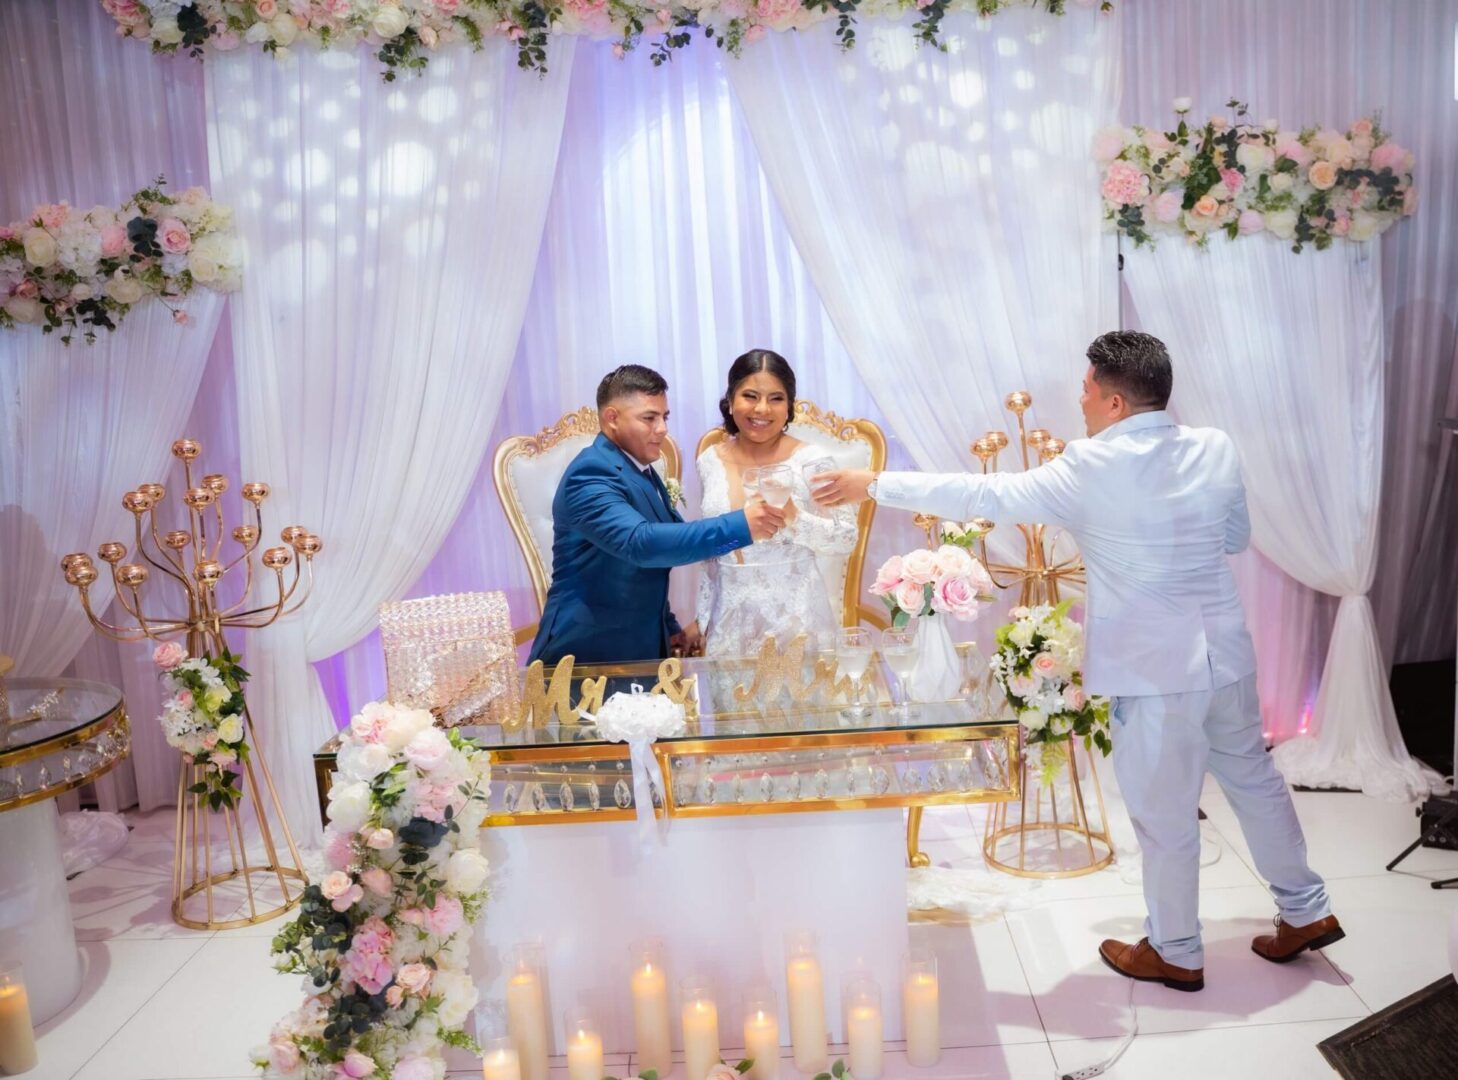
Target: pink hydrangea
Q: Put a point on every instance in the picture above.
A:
(431, 798)
(776, 12)
(338, 849)
(1389, 156)
(1233, 179)
(1166, 207)
(1294, 150)
(1251, 221)
(113, 241)
(1125, 185)
(367, 962)
(446, 917)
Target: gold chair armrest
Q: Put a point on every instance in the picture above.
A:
(871, 617)
(525, 633)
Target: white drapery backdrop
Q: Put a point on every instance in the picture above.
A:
(1285, 353)
(385, 226)
(81, 425)
(947, 208)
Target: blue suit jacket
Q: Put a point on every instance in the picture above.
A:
(614, 538)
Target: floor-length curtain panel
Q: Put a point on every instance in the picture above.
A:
(390, 230)
(663, 233)
(947, 208)
(1285, 353)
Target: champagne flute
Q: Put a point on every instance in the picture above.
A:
(898, 648)
(814, 469)
(853, 657)
(776, 484)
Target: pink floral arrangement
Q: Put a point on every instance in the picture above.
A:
(1308, 187)
(383, 935)
(203, 717)
(947, 581)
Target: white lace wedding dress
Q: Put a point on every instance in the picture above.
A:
(774, 587)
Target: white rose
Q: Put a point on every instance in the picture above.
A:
(1033, 719)
(40, 247)
(1255, 157)
(24, 309)
(123, 288)
(457, 991)
(1183, 105)
(1364, 226)
(82, 291)
(1022, 635)
(953, 561)
(1271, 125)
(166, 32)
(230, 730)
(349, 805)
(364, 761)
(283, 29)
(1281, 182)
(1281, 223)
(209, 257)
(466, 871)
(404, 726)
(390, 22)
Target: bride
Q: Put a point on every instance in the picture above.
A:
(775, 587)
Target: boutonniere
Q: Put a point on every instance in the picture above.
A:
(675, 493)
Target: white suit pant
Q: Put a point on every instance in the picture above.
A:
(1163, 746)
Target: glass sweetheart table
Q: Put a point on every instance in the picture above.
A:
(55, 735)
(780, 811)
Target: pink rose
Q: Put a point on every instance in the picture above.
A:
(225, 41)
(722, 1072)
(953, 561)
(1022, 685)
(173, 236)
(888, 577)
(113, 241)
(335, 885)
(168, 655)
(618, 53)
(1207, 206)
(355, 1065)
(415, 1068)
(1156, 141)
(447, 7)
(184, 698)
(920, 567)
(415, 978)
(1293, 149)
(1341, 226)
(128, 13)
(413, 917)
(1108, 144)
(1389, 156)
(266, 9)
(378, 839)
(210, 740)
(910, 597)
(378, 881)
(956, 597)
(1073, 697)
(773, 11)
(755, 33)
(53, 215)
(1251, 221)
(428, 750)
(664, 16)
(395, 996)
(1323, 175)
(1361, 127)
(27, 289)
(180, 317)
(1233, 179)
(338, 849)
(446, 917)
(1045, 665)
(283, 1055)
(1125, 185)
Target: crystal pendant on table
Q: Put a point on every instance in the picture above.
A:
(622, 794)
(594, 797)
(766, 788)
(706, 791)
(539, 798)
(794, 785)
(565, 797)
(937, 778)
(880, 780)
(822, 784)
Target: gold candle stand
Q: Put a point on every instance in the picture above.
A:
(190, 558)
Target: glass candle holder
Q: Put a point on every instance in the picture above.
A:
(584, 1046)
(805, 993)
(864, 1029)
(921, 1008)
(762, 1034)
(526, 1010)
(700, 1017)
(17, 1033)
(648, 983)
(499, 1060)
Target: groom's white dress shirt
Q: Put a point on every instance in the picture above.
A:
(1155, 509)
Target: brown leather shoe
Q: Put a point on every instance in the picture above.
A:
(1289, 942)
(1144, 963)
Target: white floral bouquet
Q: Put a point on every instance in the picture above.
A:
(383, 940)
(947, 581)
(1037, 664)
(68, 270)
(1309, 186)
(405, 32)
(203, 717)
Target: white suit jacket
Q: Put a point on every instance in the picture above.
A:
(1155, 508)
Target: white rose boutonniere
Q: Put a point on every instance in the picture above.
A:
(675, 493)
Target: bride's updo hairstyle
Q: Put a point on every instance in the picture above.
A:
(752, 363)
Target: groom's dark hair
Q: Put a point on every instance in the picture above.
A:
(1135, 365)
(628, 380)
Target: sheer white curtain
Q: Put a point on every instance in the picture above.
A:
(386, 225)
(78, 426)
(663, 246)
(947, 208)
(1285, 353)
(1339, 59)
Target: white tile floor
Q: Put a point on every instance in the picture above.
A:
(1026, 995)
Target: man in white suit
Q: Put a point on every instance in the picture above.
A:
(1156, 509)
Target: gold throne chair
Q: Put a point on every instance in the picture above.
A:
(527, 469)
(853, 444)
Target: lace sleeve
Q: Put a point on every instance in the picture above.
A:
(711, 480)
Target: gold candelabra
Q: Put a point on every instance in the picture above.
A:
(1042, 571)
(192, 559)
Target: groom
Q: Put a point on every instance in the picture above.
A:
(1155, 508)
(615, 535)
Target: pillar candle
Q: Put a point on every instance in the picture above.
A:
(502, 1063)
(863, 1033)
(762, 1042)
(806, 989)
(526, 1020)
(921, 1010)
(651, 1019)
(17, 1036)
(700, 1035)
(584, 1055)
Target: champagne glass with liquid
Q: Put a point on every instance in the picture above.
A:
(853, 650)
(776, 484)
(898, 649)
